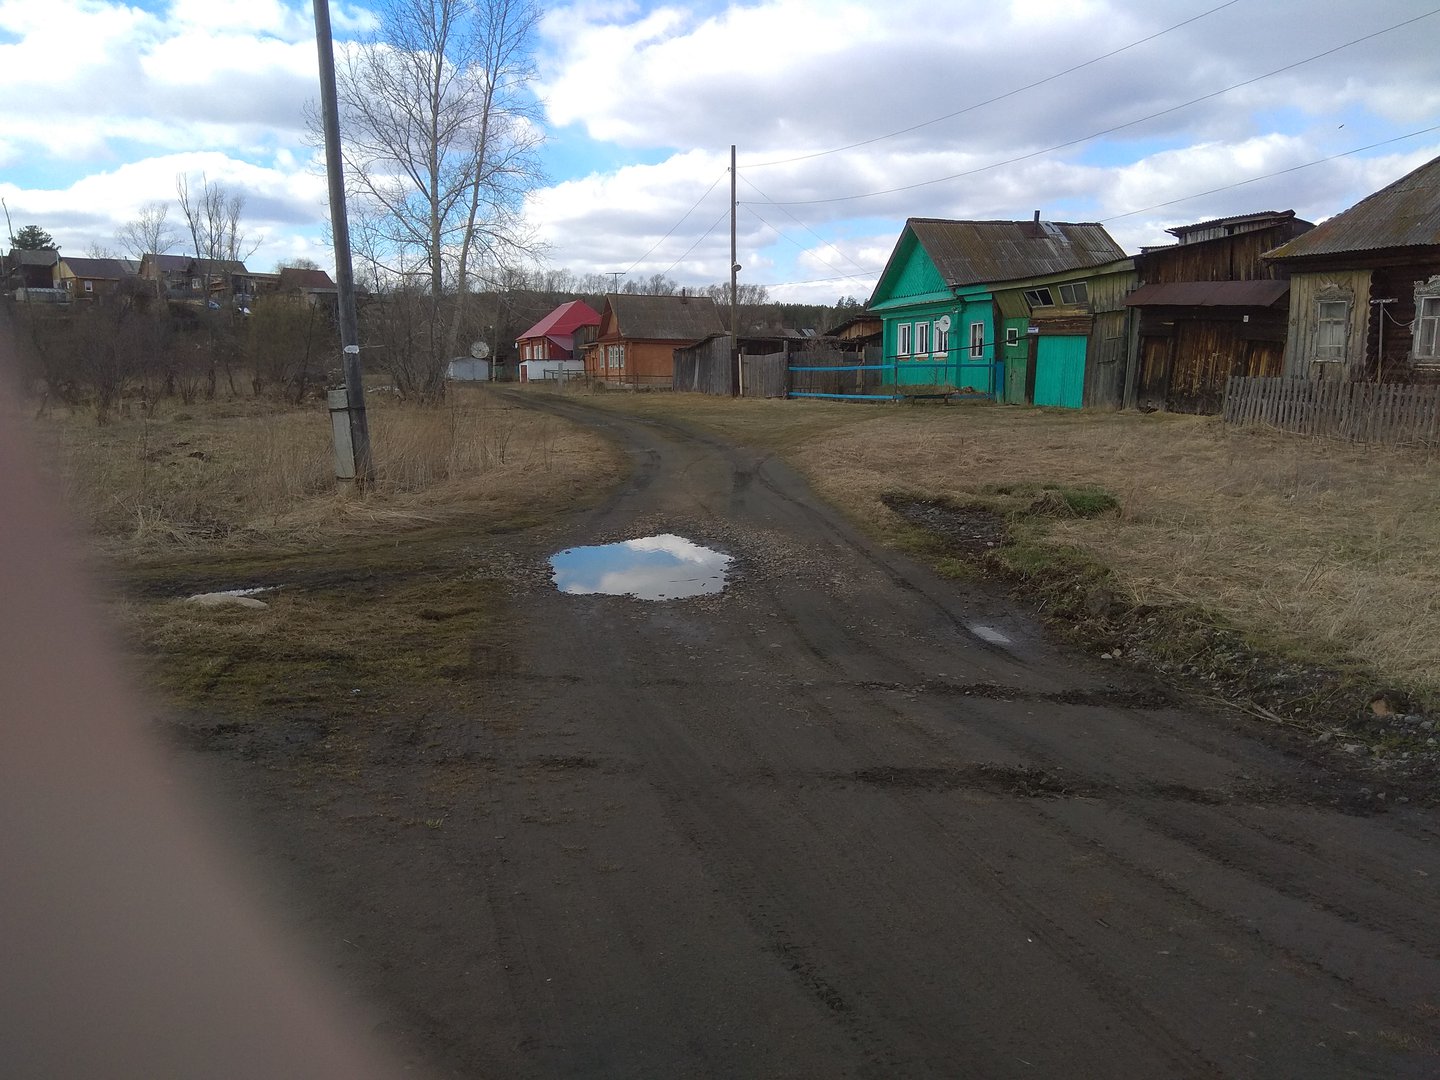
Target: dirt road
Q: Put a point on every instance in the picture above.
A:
(845, 819)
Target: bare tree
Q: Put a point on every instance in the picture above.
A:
(149, 234)
(440, 137)
(212, 216)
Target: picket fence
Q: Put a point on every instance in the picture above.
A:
(1392, 414)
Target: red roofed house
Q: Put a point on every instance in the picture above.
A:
(548, 347)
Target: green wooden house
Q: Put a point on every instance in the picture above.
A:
(1006, 309)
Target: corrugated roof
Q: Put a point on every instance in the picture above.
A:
(563, 320)
(988, 252)
(665, 318)
(169, 264)
(1265, 216)
(1209, 294)
(1404, 214)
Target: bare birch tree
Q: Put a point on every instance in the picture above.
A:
(440, 131)
(149, 234)
(212, 217)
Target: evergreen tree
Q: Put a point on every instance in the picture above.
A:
(33, 238)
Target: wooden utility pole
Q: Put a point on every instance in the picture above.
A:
(353, 463)
(737, 367)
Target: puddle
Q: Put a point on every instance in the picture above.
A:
(988, 633)
(664, 567)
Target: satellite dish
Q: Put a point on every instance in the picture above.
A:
(479, 349)
(943, 322)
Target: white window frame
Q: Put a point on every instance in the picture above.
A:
(902, 339)
(1012, 335)
(1328, 326)
(977, 341)
(942, 340)
(1078, 293)
(922, 339)
(1426, 335)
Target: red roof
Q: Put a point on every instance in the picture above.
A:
(565, 319)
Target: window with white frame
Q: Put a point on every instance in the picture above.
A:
(922, 338)
(1332, 322)
(1075, 293)
(977, 341)
(942, 337)
(615, 357)
(902, 339)
(1427, 322)
(1012, 335)
(90, 286)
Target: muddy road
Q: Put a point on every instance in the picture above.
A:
(844, 819)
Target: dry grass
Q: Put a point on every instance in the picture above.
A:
(251, 473)
(1309, 545)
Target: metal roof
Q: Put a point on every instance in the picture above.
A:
(1405, 214)
(563, 320)
(304, 278)
(1267, 217)
(1209, 294)
(665, 318)
(110, 269)
(989, 252)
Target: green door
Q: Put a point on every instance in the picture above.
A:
(1060, 371)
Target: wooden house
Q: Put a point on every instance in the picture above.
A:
(937, 300)
(638, 335)
(1365, 287)
(1209, 307)
(36, 268)
(314, 287)
(549, 345)
(90, 279)
(169, 273)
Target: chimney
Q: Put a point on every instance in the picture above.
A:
(1034, 231)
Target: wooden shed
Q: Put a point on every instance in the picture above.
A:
(1209, 307)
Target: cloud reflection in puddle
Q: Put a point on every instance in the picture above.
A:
(666, 567)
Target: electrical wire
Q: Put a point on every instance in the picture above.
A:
(704, 236)
(1105, 131)
(802, 224)
(1267, 176)
(785, 236)
(677, 225)
(993, 100)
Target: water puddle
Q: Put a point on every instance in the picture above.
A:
(988, 633)
(663, 567)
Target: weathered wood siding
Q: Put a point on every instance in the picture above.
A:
(705, 368)
(1230, 258)
(1301, 329)
(1387, 413)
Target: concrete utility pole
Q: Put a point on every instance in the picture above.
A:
(353, 463)
(737, 366)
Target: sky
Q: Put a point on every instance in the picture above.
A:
(848, 116)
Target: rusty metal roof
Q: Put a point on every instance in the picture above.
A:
(1209, 294)
(665, 318)
(1259, 219)
(1405, 214)
(989, 252)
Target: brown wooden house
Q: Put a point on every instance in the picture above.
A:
(1365, 287)
(89, 279)
(1208, 307)
(638, 336)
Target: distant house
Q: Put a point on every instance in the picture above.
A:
(315, 287)
(1365, 287)
(638, 335)
(937, 297)
(184, 277)
(33, 269)
(548, 350)
(89, 279)
(169, 273)
(1208, 307)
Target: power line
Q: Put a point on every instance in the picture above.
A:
(997, 97)
(723, 215)
(802, 224)
(1109, 130)
(785, 236)
(1267, 176)
(677, 225)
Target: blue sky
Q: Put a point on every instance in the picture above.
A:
(642, 101)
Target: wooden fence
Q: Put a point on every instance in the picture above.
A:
(1388, 413)
(707, 368)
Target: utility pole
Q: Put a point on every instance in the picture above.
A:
(738, 368)
(615, 276)
(1380, 316)
(353, 462)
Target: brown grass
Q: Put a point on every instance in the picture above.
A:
(250, 473)
(1312, 546)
